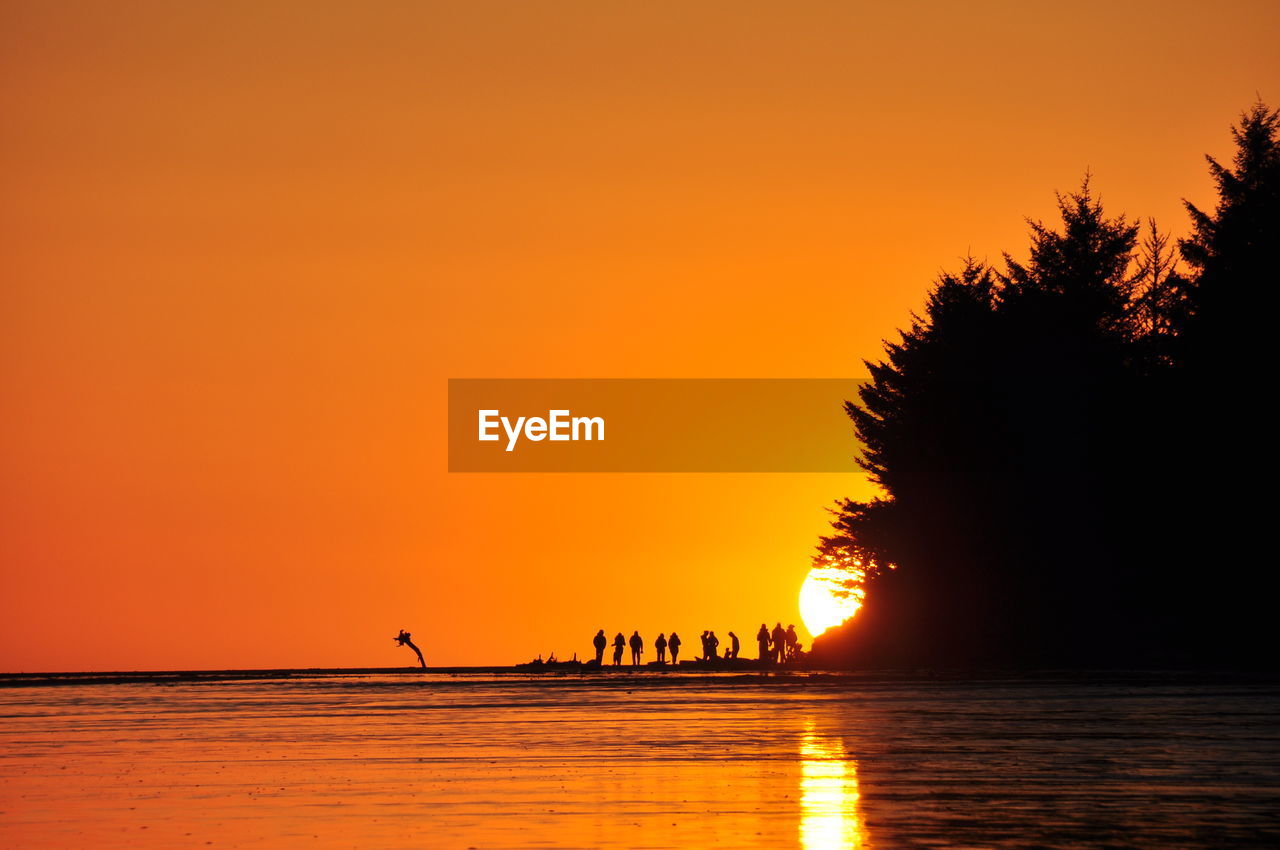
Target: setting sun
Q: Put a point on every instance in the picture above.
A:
(825, 601)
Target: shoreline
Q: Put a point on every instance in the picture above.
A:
(685, 673)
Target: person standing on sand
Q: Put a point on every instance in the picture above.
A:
(660, 644)
(619, 643)
(712, 643)
(734, 646)
(762, 638)
(637, 647)
(674, 643)
(793, 643)
(779, 643)
(600, 642)
(406, 639)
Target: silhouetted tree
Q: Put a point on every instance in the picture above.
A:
(1226, 353)
(930, 373)
(992, 425)
(925, 420)
(1233, 251)
(1030, 432)
(1159, 303)
(1079, 272)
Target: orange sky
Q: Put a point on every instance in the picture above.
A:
(243, 246)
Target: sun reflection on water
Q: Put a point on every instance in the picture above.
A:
(830, 809)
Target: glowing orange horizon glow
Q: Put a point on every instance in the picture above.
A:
(244, 249)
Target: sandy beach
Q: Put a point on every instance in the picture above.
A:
(486, 760)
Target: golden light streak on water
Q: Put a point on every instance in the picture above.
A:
(830, 804)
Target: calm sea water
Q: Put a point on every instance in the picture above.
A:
(639, 761)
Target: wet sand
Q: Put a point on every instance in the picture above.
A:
(679, 760)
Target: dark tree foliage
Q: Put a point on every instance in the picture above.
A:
(1233, 250)
(1159, 307)
(1225, 358)
(1047, 488)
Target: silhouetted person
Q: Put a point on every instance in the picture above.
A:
(673, 643)
(705, 652)
(793, 643)
(619, 644)
(406, 639)
(712, 643)
(600, 642)
(637, 647)
(660, 644)
(762, 638)
(779, 644)
(734, 646)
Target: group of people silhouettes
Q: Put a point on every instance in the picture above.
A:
(780, 644)
(776, 646)
(620, 644)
